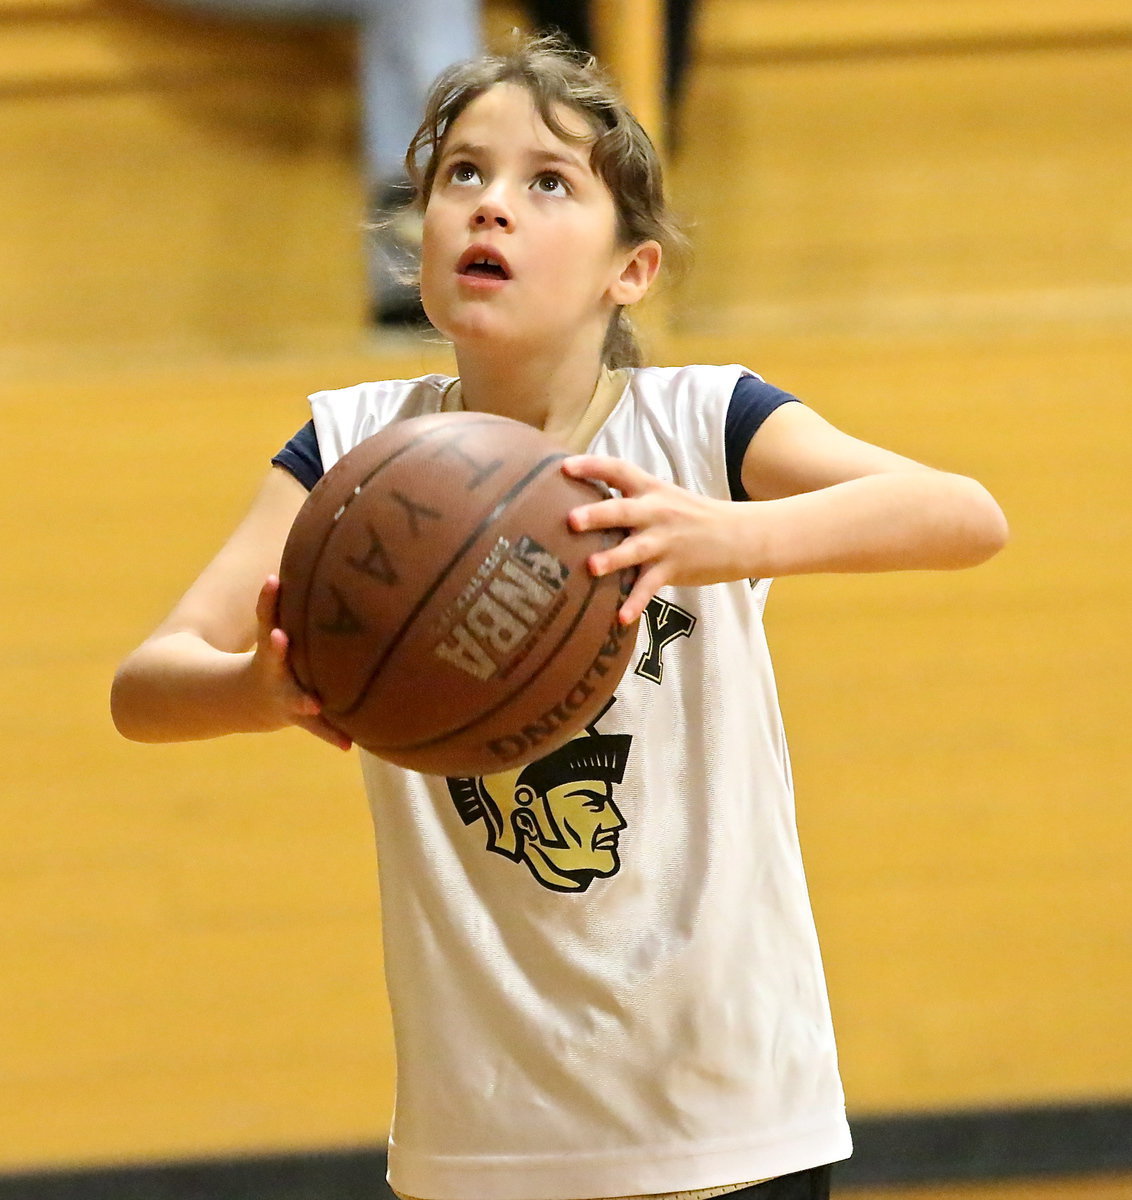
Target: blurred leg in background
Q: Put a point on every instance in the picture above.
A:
(402, 47)
(576, 21)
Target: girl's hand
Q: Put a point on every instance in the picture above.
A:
(676, 536)
(284, 701)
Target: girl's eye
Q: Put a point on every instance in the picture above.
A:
(552, 184)
(463, 172)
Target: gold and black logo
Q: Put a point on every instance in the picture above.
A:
(558, 814)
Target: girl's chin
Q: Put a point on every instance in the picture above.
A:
(479, 327)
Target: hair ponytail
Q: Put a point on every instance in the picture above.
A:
(621, 348)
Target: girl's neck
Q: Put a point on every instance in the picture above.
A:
(550, 392)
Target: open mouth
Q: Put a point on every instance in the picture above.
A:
(483, 264)
(487, 269)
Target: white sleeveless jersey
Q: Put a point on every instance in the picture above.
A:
(603, 973)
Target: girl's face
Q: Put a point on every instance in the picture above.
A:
(520, 244)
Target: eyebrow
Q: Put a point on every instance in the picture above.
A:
(592, 793)
(540, 156)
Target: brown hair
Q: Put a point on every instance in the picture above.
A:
(622, 155)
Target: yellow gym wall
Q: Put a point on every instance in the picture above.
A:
(913, 214)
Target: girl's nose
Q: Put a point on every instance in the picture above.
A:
(492, 212)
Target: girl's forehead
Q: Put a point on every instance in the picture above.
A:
(507, 112)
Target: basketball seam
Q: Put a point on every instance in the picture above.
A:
(305, 608)
(508, 497)
(480, 718)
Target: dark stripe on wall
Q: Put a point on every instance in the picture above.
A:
(343, 1175)
(930, 1148)
(999, 1143)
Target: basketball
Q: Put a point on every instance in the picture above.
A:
(439, 606)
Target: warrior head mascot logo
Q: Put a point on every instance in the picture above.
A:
(557, 814)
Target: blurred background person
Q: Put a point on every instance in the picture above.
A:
(577, 22)
(401, 49)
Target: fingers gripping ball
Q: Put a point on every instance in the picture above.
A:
(438, 604)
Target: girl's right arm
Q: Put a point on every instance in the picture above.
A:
(218, 663)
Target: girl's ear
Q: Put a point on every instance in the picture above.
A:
(637, 273)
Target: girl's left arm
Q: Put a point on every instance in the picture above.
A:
(826, 502)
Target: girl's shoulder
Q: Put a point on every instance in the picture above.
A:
(425, 392)
(683, 398)
(672, 422)
(343, 417)
(698, 383)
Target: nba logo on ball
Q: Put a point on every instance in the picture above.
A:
(516, 593)
(440, 607)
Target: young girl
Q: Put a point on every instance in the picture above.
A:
(603, 970)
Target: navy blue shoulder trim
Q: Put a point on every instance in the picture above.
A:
(301, 457)
(752, 402)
